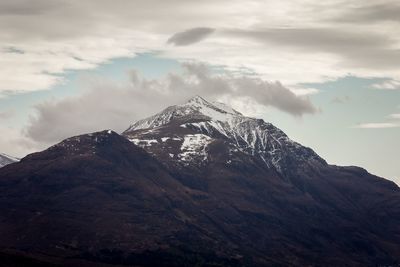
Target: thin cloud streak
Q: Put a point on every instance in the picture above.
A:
(395, 116)
(387, 85)
(376, 125)
(372, 13)
(354, 49)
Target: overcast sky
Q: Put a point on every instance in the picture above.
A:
(326, 72)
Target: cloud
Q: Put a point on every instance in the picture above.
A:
(190, 36)
(13, 142)
(340, 99)
(394, 116)
(291, 41)
(372, 13)
(25, 7)
(7, 114)
(377, 125)
(304, 91)
(381, 125)
(387, 85)
(355, 49)
(123, 104)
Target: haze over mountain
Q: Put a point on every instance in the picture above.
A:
(197, 184)
(6, 159)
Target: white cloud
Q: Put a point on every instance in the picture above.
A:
(13, 142)
(394, 116)
(381, 125)
(123, 104)
(304, 91)
(290, 41)
(377, 125)
(387, 85)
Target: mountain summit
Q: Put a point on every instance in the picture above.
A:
(195, 107)
(187, 132)
(197, 184)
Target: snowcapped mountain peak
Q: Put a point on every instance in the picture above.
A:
(204, 107)
(196, 107)
(197, 100)
(226, 108)
(184, 133)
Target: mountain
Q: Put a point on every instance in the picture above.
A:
(185, 132)
(6, 159)
(197, 184)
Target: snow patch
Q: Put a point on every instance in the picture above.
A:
(194, 146)
(143, 142)
(196, 105)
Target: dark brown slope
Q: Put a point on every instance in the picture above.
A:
(311, 214)
(291, 206)
(100, 199)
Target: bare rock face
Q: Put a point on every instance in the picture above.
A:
(197, 184)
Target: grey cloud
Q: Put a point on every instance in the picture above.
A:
(388, 11)
(8, 114)
(13, 50)
(27, 7)
(111, 106)
(366, 50)
(340, 99)
(50, 20)
(190, 36)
